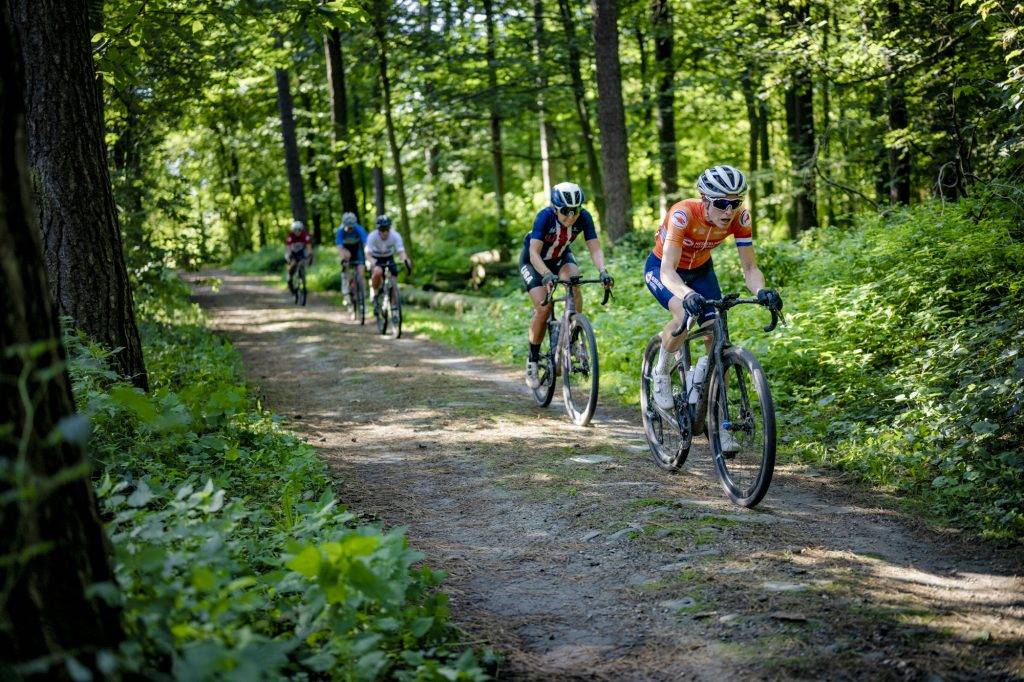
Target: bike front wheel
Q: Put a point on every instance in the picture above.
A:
(360, 307)
(396, 315)
(741, 405)
(668, 434)
(580, 371)
(546, 373)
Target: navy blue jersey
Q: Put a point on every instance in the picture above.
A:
(555, 237)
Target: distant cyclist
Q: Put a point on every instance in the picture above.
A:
(350, 239)
(680, 273)
(298, 246)
(382, 246)
(547, 257)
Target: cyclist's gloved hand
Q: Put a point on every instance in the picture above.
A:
(408, 266)
(606, 279)
(694, 304)
(549, 279)
(770, 298)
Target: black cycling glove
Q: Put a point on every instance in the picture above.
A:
(548, 278)
(770, 298)
(694, 304)
(606, 279)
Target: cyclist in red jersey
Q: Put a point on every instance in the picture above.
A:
(298, 245)
(681, 274)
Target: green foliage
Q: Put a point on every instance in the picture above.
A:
(902, 362)
(233, 558)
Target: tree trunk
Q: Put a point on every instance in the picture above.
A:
(579, 98)
(769, 183)
(380, 31)
(800, 132)
(661, 23)
(312, 181)
(68, 162)
(899, 154)
(378, 190)
(542, 84)
(291, 146)
(755, 131)
(51, 537)
(339, 119)
(611, 118)
(648, 109)
(497, 158)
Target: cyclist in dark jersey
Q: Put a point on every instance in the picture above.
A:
(547, 257)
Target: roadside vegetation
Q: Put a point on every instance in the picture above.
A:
(233, 558)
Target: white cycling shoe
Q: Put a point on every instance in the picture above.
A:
(729, 444)
(532, 374)
(661, 382)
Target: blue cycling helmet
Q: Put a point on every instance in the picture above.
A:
(383, 221)
(566, 194)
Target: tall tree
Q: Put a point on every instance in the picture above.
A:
(664, 67)
(67, 156)
(339, 119)
(580, 100)
(800, 127)
(497, 157)
(292, 166)
(899, 153)
(312, 179)
(542, 84)
(52, 546)
(611, 118)
(380, 19)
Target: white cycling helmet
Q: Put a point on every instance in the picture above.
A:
(348, 219)
(721, 181)
(297, 225)
(566, 194)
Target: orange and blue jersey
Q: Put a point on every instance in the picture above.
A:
(687, 226)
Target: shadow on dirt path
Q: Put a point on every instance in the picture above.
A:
(574, 556)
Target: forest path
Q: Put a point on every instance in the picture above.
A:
(614, 569)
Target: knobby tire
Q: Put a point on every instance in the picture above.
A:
(580, 405)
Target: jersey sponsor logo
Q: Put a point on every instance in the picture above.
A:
(745, 218)
(527, 277)
(680, 219)
(652, 281)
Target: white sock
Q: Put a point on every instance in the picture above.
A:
(663, 358)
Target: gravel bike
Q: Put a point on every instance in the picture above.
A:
(356, 290)
(387, 309)
(733, 397)
(297, 281)
(572, 352)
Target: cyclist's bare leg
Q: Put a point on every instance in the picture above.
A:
(375, 279)
(570, 270)
(539, 321)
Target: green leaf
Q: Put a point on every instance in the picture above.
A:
(984, 427)
(203, 579)
(134, 400)
(421, 626)
(141, 496)
(306, 562)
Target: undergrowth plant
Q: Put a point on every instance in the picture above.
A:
(233, 558)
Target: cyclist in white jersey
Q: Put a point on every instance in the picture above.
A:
(382, 246)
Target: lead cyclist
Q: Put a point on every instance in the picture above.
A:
(680, 273)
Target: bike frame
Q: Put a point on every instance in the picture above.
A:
(568, 311)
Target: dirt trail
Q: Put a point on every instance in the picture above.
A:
(613, 569)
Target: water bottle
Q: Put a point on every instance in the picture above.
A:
(694, 379)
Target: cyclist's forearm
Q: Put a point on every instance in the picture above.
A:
(670, 278)
(535, 260)
(754, 279)
(596, 254)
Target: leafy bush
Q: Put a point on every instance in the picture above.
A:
(233, 559)
(901, 363)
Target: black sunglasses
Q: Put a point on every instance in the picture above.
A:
(723, 204)
(569, 211)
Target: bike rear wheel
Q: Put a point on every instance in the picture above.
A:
(300, 295)
(669, 442)
(580, 371)
(742, 406)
